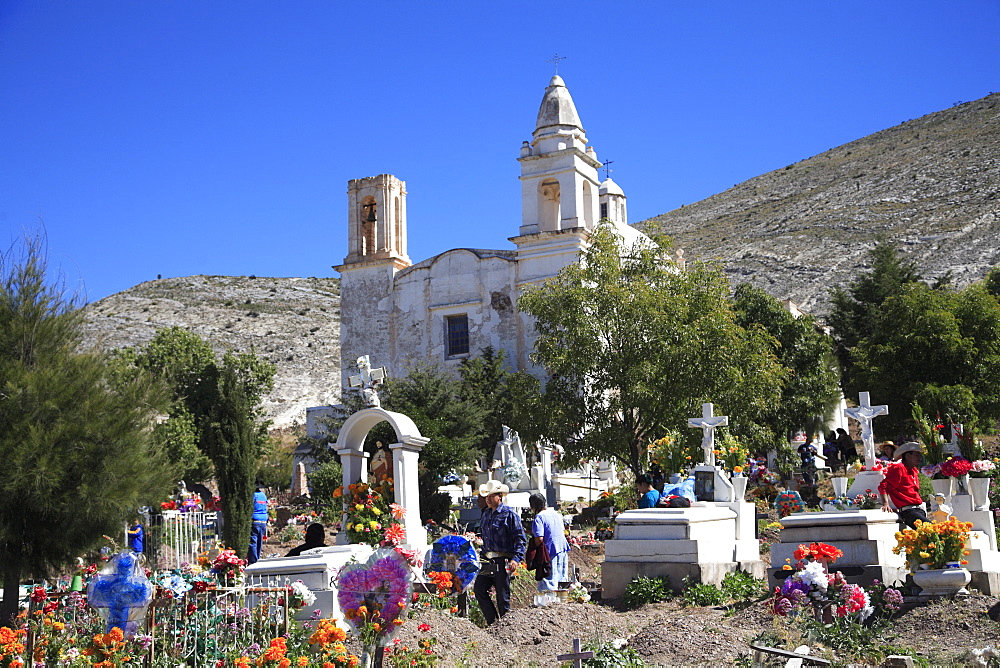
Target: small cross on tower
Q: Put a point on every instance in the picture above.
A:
(607, 168)
(864, 414)
(707, 423)
(555, 59)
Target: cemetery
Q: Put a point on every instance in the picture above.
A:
(714, 469)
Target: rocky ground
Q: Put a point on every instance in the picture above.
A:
(941, 633)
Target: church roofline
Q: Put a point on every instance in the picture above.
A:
(481, 253)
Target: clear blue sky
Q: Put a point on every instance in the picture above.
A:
(177, 137)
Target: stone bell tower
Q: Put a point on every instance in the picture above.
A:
(376, 251)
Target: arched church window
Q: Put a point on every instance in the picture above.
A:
(397, 241)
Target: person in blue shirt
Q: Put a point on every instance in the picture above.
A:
(135, 537)
(503, 548)
(548, 528)
(648, 496)
(259, 529)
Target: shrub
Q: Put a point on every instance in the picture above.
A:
(613, 654)
(701, 595)
(642, 590)
(741, 587)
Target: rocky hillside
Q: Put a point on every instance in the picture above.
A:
(294, 322)
(932, 184)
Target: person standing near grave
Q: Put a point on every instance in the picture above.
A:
(547, 529)
(848, 453)
(808, 454)
(315, 537)
(136, 536)
(258, 532)
(503, 548)
(648, 496)
(900, 489)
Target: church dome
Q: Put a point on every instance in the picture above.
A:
(609, 187)
(557, 107)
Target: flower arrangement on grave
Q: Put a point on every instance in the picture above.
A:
(299, 595)
(329, 639)
(453, 564)
(955, 467)
(513, 472)
(982, 468)
(813, 586)
(669, 455)
(934, 545)
(374, 596)
(371, 519)
(789, 502)
(730, 453)
(578, 593)
(929, 434)
(228, 567)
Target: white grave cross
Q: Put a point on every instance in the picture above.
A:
(707, 423)
(864, 414)
(369, 380)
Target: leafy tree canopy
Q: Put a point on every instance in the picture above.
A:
(633, 347)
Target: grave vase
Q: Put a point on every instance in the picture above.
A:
(839, 486)
(739, 488)
(943, 486)
(942, 581)
(962, 484)
(980, 488)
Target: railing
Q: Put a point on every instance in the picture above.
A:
(175, 537)
(196, 629)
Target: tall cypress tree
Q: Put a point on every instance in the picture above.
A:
(76, 440)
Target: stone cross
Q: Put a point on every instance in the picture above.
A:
(369, 380)
(707, 423)
(864, 414)
(577, 656)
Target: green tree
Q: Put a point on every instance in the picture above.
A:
(940, 348)
(217, 407)
(633, 346)
(79, 452)
(856, 311)
(812, 392)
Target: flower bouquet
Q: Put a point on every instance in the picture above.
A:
(933, 546)
(374, 596)
(811, 584)
(371, 519)
(789, 502)
(228, 567)
(668, 454)
(930, 435)
(955, 467)
(299, 595)
(982, 468)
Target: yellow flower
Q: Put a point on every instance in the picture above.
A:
(925, 555)
(376, 511)
(786, 567)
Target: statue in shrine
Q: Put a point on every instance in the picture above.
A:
(708, 423)
(508, 456)
(381, 466)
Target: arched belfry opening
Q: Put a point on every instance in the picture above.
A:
(368, 217)
(549, 209)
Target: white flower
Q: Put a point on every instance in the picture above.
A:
(301, 591)
(814, 575)
(618, 643)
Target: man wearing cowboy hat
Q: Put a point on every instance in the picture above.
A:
(901, 485)
(503, 547)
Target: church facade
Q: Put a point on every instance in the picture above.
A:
(450, 306)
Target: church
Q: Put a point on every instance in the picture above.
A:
(450, 306)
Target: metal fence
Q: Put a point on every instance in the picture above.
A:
(173, 537)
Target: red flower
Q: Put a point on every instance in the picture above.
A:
(200, 586)
(38, 594)
(424, 627)
(956, 466)
(819, 552)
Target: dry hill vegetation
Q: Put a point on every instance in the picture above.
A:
(931, 184)
(293, 322)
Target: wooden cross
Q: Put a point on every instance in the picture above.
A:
(555, 59)
(577, 656)
(707, 423)
(864, 414)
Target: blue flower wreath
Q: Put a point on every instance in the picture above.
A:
(454, 554)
